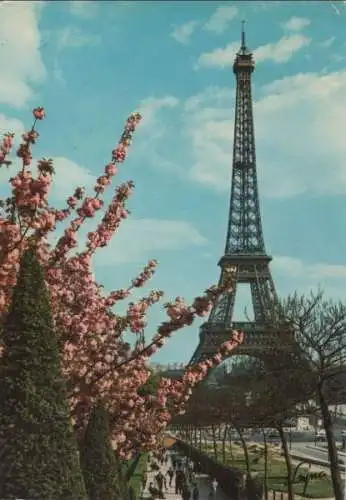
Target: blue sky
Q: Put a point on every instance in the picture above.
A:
(90, 64)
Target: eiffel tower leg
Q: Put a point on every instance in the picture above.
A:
(257, 301)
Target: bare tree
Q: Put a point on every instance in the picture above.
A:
(320, 333)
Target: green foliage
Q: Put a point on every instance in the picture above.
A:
(97, 458)
(40, 455)
(151, 385)
(135, 481)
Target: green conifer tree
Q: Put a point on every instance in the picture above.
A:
(98, 459)
(40, 456)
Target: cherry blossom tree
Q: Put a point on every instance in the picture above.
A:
(97, 363)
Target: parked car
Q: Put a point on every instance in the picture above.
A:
(273, 435)
(321, 435)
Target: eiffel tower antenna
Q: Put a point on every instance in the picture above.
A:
(243, 44)
(245, 249)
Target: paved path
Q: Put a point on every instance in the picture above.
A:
(201, 480)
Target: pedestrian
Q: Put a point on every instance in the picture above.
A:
(195, 492)
(186, 494)
(190, 472)
(213, 488)
(170, 474)
(161, 482)
(153, 491)
(179, 481)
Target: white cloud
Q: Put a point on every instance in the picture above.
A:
(20, 59)
(84, 9)
(278, 52)
(219, 21)
(73, 37)
(299, 128)
(13, 126)
(68, 176)
(283, 50)
(10, 125)
(58, 74)
(328, 42)
(152, 106)
(295, 274)
(218, 58)
(183, 32)
(296, 23)
(139, 239)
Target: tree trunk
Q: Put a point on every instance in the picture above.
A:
(204, 441)
(224, 437)
(246, 451)
(332, 450)
(214, 442)
(195, 437)
(230, 445)
(220, 432)
(265, 465)
(307, 480)
(288, 461)
(200, 439)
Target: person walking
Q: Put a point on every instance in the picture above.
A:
(179, 481)
(153, 492)
(161, 482)
(189, 471)
(170, 474)
(213, 488)
(186, 494)
(195, 492)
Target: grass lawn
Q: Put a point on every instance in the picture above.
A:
(136, 479)
(277, 471)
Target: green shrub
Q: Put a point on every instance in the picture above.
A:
(41, 454)
(97, 458)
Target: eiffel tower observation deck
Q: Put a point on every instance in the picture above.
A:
(245, 249)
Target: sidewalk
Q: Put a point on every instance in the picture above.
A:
(201, 480)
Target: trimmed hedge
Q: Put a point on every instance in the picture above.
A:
(41, 458)
(97, 458)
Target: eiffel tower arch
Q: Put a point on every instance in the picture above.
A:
(245, 249)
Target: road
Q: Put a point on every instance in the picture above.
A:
(307, 446)
(309, 450)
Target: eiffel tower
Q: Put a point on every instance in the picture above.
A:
(245, 250)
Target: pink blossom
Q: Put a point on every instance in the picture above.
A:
(39, 113)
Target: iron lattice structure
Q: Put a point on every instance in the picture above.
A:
(245, 249)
